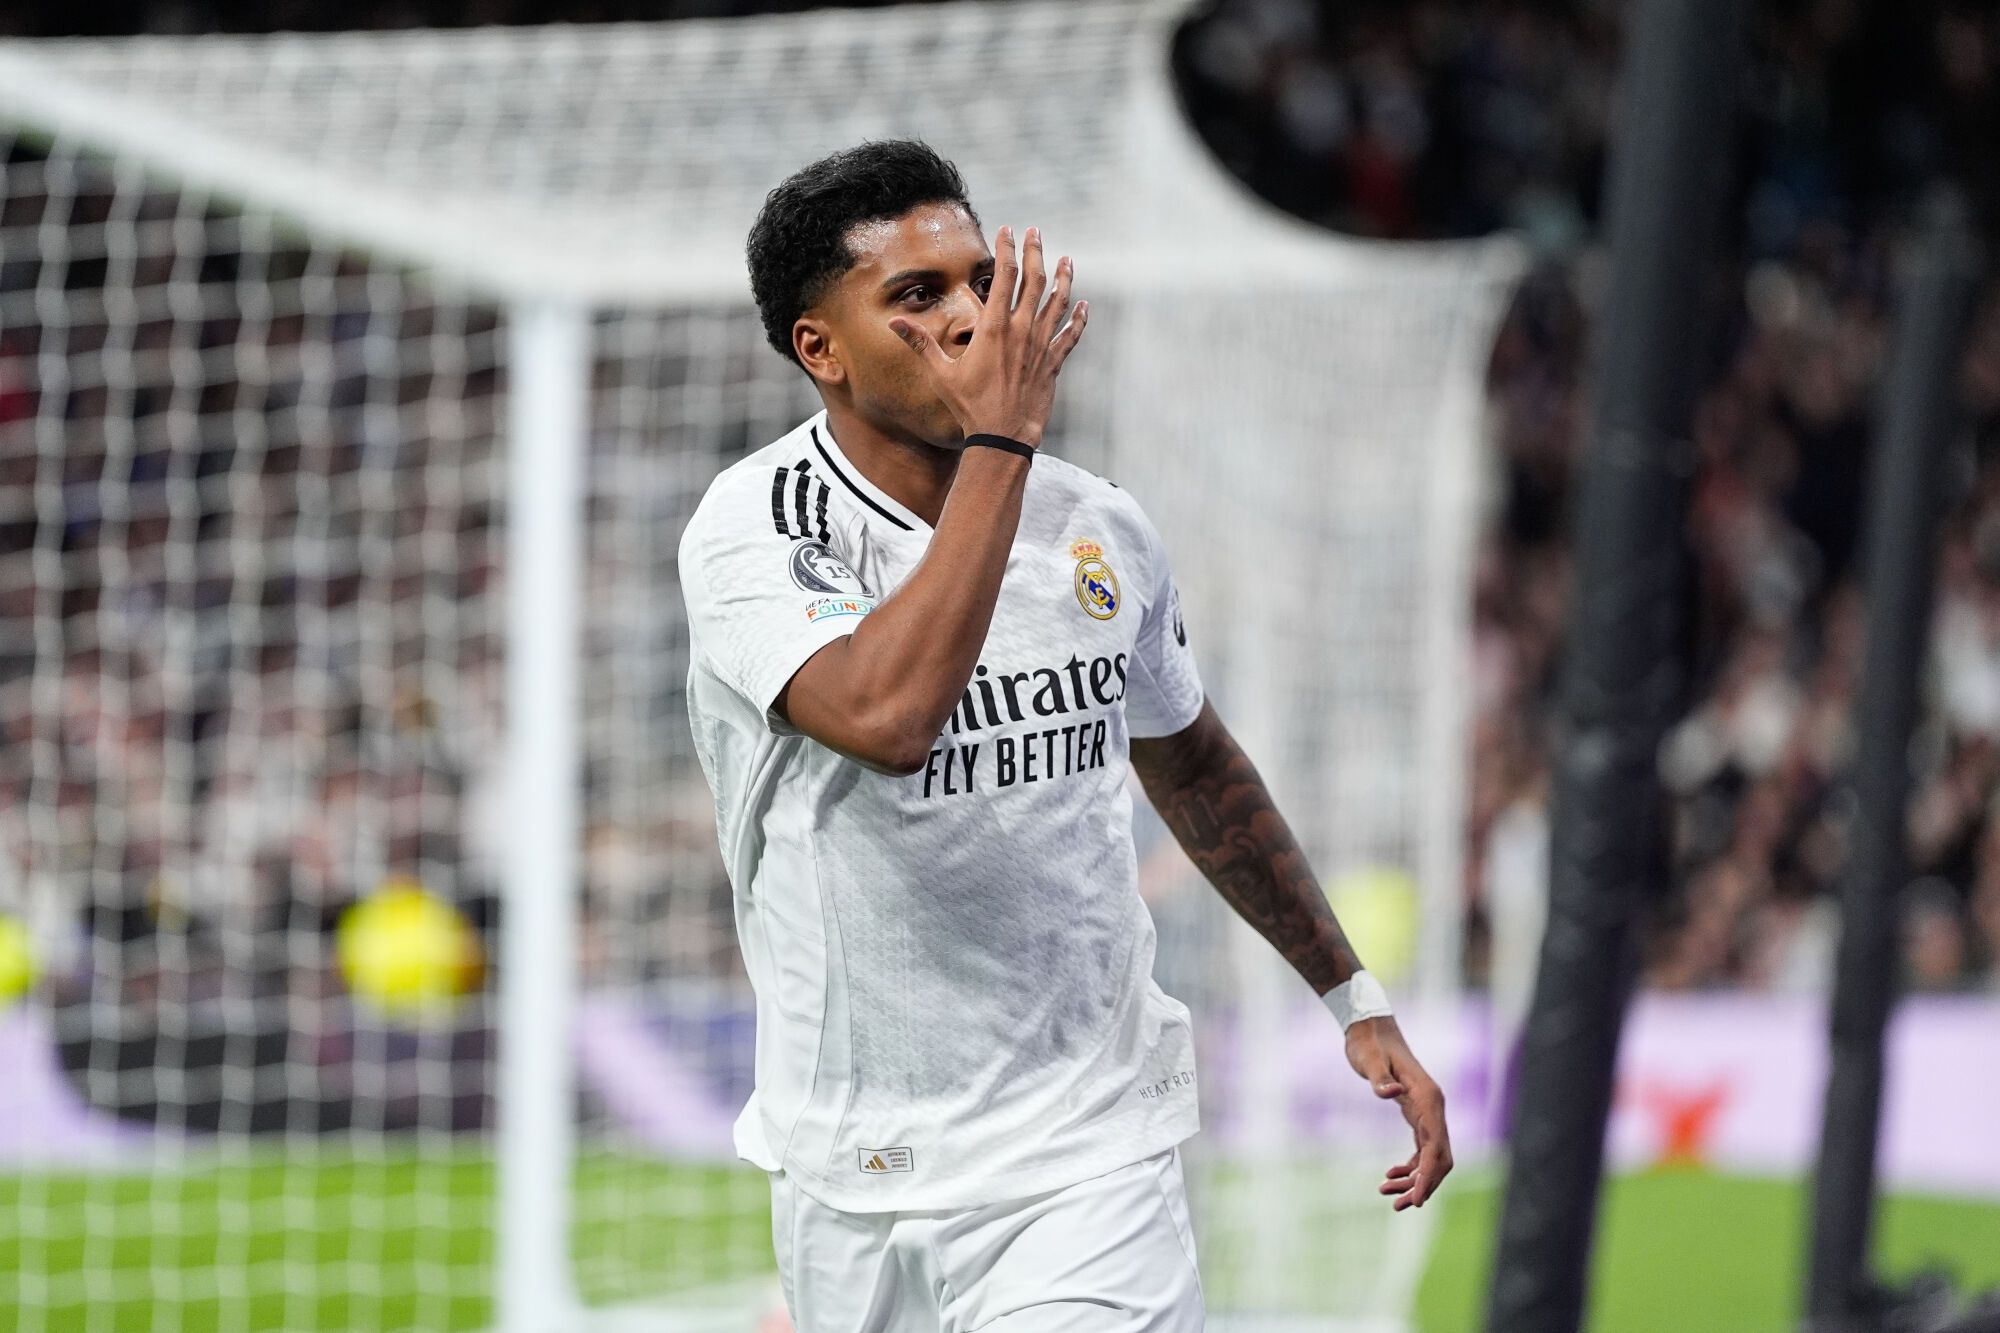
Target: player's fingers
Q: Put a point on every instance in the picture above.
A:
(1006, 273)
(1049, 318)
(1434, 1160)
(1413, 1189)
(1034, 274)
(1067, 338)
(919, 342)
(1387, 1087)
(1398, 1179)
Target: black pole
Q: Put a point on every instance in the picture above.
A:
(1906, 500)
(1625, 663)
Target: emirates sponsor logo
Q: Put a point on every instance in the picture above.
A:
(996, 698)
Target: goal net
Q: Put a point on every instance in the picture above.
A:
(354, 391)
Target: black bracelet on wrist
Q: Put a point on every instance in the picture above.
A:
(1001, 442)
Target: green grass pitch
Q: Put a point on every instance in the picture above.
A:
(1682, 1248)
(407, 1237)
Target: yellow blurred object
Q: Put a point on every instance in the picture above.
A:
(17, 960)
(406, 951)
(1377, 907)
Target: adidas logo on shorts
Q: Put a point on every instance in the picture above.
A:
(881, 1161)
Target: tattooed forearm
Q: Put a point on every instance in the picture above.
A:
(1209, 793)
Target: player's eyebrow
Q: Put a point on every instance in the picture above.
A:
(934, 276)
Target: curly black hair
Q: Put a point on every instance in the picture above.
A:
(798, 245)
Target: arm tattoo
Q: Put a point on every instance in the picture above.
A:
(1221, 813)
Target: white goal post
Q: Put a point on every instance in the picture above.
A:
(353, 392)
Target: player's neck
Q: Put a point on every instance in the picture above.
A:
(916, 475)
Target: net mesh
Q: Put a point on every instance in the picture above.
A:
(252, 510)
(246, 677)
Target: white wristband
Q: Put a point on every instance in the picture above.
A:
(1358, 997)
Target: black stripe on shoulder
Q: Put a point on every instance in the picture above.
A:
(778, 502)
(834, 468)
(819, 509)
(799, 496)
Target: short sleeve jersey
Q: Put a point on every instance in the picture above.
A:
(953, 969)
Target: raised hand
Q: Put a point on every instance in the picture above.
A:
(1004, 382)
(1376, 1049)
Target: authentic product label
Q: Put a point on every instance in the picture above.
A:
(881, 1161)
(995, 699)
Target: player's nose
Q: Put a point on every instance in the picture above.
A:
(964, 315)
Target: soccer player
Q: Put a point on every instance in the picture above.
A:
(924, 658)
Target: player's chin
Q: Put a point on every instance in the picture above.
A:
(941, 429)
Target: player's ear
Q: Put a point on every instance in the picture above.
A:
(812, 341)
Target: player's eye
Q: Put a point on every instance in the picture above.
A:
(983, 287)
(918, 295)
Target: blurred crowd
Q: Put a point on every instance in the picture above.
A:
(1758, 768)
(1449, 119)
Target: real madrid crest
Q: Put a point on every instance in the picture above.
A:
(1096, 585)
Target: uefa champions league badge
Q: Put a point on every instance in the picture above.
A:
(816, 569)
(1096, 585)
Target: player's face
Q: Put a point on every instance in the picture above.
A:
(930, 267)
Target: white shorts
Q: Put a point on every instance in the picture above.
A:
(1113, 1254)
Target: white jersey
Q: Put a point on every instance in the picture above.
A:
(953, 970)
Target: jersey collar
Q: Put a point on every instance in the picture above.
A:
(848, 476)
